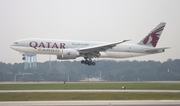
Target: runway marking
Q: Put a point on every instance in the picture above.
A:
(95, 103)
(31, 91)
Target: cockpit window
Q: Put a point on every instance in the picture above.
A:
(16, 43)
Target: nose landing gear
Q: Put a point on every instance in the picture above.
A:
(23, 58)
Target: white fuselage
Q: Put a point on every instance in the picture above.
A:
(55, 47)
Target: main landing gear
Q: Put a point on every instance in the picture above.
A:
(88, 62)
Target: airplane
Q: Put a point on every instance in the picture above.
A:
(71, 49)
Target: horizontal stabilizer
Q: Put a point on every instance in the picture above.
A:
(156, 50)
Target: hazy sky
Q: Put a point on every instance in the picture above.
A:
(96, 20)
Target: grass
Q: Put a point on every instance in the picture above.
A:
(42, 96)
(74, 86)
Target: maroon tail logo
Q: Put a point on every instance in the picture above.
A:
(153, 37)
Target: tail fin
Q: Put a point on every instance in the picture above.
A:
(152, 38)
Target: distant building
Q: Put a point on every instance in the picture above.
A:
(30, 60)
(94, 79)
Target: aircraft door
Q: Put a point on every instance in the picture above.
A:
(129, 49)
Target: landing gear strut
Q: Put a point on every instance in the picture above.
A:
(88, 62)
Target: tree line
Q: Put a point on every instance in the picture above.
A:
(110, 71)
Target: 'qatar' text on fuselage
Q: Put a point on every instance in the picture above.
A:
(36, 45)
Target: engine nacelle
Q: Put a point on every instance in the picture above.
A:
(68, 54)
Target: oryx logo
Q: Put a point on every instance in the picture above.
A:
(153, 37)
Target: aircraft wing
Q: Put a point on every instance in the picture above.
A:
(156, 50)
(93, 51)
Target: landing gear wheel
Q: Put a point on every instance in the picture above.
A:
(86, 62)
(89, 63)
(23, 58)
(93, 63)
(82, 61)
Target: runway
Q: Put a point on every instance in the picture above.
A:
(9, 91)
(88, 82)
(95, 103)
(92, 103)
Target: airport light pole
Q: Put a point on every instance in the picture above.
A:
(122, 77)
(15, 77)
(1, 76)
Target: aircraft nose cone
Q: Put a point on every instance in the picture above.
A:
(12, 47)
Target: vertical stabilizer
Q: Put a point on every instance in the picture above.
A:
(152, 38)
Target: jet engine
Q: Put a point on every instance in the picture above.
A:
(68, 54)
